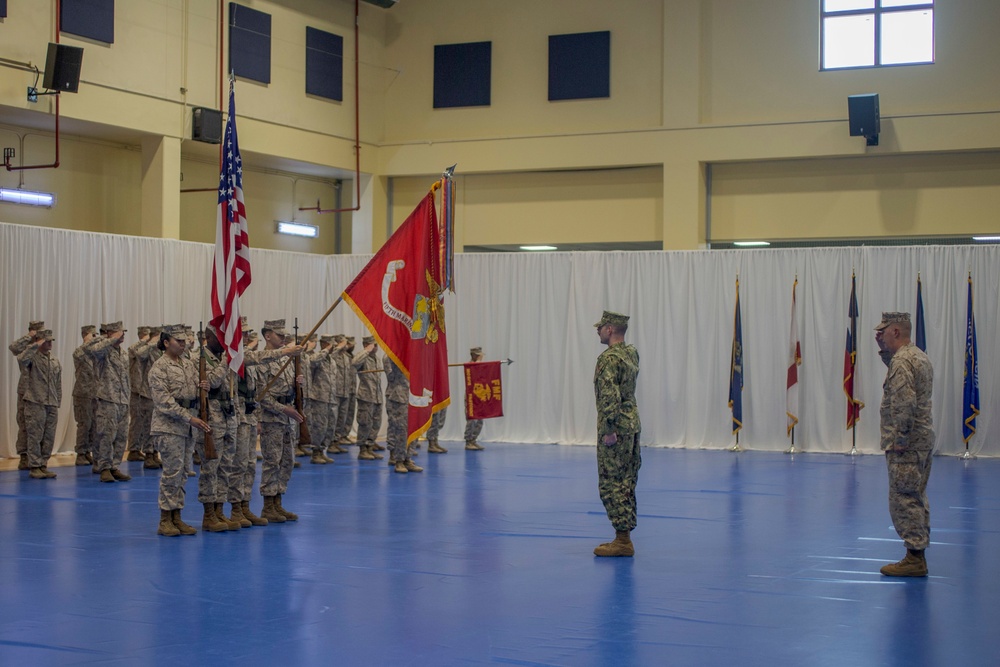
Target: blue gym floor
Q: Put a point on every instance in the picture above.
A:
(485, 558)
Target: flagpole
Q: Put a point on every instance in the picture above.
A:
(502, 361)
(307, 337)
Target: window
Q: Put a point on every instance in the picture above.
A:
(875, 33)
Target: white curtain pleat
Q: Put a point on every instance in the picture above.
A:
(539, 310)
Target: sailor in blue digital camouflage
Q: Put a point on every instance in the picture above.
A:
(618, 427)
(279, 422)
(473, 427)
(83, 397)
(907, 438)
(16, 348)
(397, 402)
(113, 391)
(42, 397)
(173, 387)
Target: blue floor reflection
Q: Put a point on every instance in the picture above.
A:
(485, 558)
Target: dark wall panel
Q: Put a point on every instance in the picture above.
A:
(324, 64)
(462, 74)
(580, 66)
(93, 19)
(250, 43)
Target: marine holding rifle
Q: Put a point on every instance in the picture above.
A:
(279, 422)
(173, 386)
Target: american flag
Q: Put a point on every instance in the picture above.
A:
(231, 271)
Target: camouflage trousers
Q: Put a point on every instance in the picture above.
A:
(213, 477)
(86, 424)
(322, 419)
(617, 474)
(21, 444)
(39, 432)
(908, 505)
(437, 421)
(110, 434)
(346, 407)
(246, 441)
(140, 412)
(397, 414)
(473, 427)
(369, 422)
(175, 452)
(276, 442)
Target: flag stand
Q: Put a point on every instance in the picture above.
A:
(736, 447)
(791, 450)
(968, 456)
(854, 440)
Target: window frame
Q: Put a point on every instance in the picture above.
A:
(876, 12)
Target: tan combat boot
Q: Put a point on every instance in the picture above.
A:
(48, 473)
(167, 526)
(82, 460)
(270, 512)
(135, 456)
(473, 446)
(36, 473)
(365, 454)
(622, 546)
(118, 475)
(317, 457)
(22, 463)
(151, 462)
(378, 448)
(411, 466)
(400, 466)
(220, 512)
(913, 565)
(289, 516)
(434, 448)
(175, 516)
(211, 522)
(236, 514)
(250, 516)
(106, 476)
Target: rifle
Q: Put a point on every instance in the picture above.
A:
(210, 452)
(304, 437)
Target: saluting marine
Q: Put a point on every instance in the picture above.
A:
(42, 397)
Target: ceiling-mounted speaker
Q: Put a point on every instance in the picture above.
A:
(384, 4)
(62, 68)
(863, 116)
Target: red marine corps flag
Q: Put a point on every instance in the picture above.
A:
(231, 269)
(399, 297)
(483, 391)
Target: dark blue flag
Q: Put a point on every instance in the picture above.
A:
(921, 331)
(736, 367)
(970, 391)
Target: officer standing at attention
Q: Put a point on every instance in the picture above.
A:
(618, 457)
(42, 397)
(907, 438)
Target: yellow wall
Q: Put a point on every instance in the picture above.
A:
(726, 84)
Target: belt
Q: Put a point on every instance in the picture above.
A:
(187, 402)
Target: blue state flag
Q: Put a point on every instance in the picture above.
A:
(970, 392)
(921, 331)
(736, 367)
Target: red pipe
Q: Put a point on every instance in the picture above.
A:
(54, 165)
(222, 60)
(357, 127)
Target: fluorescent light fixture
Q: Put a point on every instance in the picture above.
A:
(751, 244)
(27, 197)
(986, 238)
(297, 229)
(539, 247)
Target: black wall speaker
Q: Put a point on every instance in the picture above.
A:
(206, 125)
(862, 111)
(62, 68)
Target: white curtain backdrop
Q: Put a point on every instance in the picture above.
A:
(539, 309)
